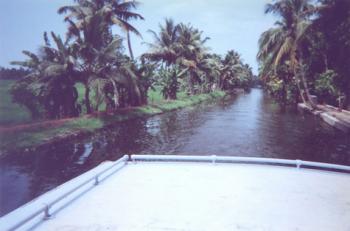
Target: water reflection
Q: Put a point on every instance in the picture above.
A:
(248, 125)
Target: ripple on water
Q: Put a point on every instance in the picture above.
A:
(249, 125)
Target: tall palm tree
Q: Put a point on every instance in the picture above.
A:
(103, 66)
(179, 45)
(282, 44)
(164, 50)
(116, 12)
(192, 52)
(121, 14)
(108, 70)
(165, 47)
(213, 68)
(91, 39)
(231, 65)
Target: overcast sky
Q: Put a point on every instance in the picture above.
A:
(230, 24)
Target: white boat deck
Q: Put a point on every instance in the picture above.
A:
(204, 196)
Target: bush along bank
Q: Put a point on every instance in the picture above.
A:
(44, 134)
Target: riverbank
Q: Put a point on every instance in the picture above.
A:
(43, 134)
(250, 125)
(330, 115)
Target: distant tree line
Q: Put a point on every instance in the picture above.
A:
(307, 52)
(13, 73)
(93, 55)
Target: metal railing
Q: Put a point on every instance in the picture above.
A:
(46, 208)
(233, 159)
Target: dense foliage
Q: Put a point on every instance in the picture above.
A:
(307, 52)
(92, 55)
(13, 73)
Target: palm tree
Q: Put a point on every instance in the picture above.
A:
(282, 44)
(122, 15)
(211, 67)
(165, 49)
(103, 66)
(145, 72)
(116, 12)
(231, 65)
(51, 79)
(192, 52)
(178, 46)
(91, 40)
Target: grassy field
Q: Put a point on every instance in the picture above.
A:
(11, 113)
(81, 92)
(155, 96)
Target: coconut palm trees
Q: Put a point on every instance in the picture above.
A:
(181, 49)
(105, 67)
(92, 55)
(192, 50)
(164, 47)
(310, 39)
(231, 65)
(115, 12)
(282, 44)
(164, 50)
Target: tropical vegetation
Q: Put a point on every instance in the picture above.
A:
(92, 56)
(307, 52)
(12, 73)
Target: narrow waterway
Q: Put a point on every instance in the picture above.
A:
(247, 125)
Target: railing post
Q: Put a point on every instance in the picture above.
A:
(96, 180)
(47, 214)
(213, 159)
(298, 163)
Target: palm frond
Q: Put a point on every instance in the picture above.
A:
(284, 50)
(125, 25)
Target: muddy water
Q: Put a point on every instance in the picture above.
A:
(248, 125)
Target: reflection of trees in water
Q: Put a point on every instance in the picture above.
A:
(275, 134)
(155, 135)
(41, 170)
(290, 135)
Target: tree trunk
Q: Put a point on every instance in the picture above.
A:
(306, 100)
(308, 95)
(87, 99)
(129, 45)
(325, 59)
(284, 93)
(303, 92)
(190, 83)
(144, 98)
(173, 86)
(115, 95)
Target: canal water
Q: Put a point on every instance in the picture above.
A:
(250, 124)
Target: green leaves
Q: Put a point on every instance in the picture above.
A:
(325, 85)
(282, 46)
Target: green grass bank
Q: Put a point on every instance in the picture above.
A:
(11, 113)
(51, 132)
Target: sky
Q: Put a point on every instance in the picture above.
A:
(230, 24)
